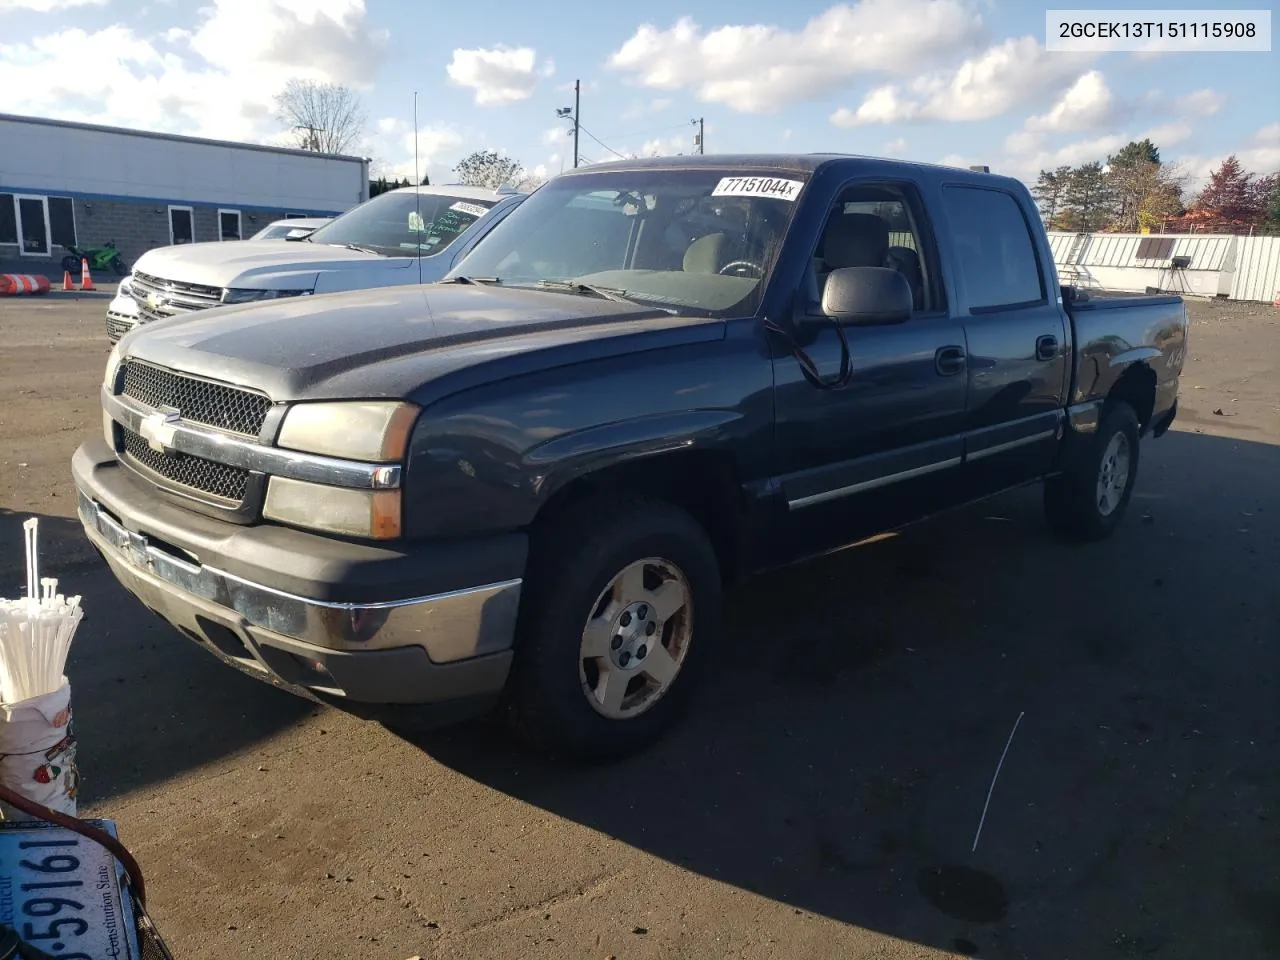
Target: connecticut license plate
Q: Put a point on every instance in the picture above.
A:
(62, 892)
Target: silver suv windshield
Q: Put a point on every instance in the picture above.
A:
(700, 240)
(396, 224)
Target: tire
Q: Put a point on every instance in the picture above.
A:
(71, 264)
(1074, 502)
(118, 267)
(565, 701)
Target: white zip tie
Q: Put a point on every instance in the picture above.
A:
(992, 788)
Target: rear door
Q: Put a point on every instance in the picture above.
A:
(888, 447)
(1016, 333)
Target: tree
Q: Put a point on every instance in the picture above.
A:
(382, 185)
(1231, 197)
(1049, 191)
(325, 117)
(1087, 202)
(487, 168)
(1146, 192)
(1272, 220)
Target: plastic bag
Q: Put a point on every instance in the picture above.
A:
(38, 752)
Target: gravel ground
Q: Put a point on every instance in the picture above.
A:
(821, 803)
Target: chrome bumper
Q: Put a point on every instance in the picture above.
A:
(451, 626)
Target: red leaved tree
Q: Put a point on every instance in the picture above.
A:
(1232, 197)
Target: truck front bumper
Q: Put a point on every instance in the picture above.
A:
(340, 622)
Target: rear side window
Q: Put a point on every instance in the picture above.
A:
(993, 248)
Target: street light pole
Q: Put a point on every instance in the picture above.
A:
(698, 140)
(565, 113)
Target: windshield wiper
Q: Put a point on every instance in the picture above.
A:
(356, 246)
(573, 286)
(461, 279)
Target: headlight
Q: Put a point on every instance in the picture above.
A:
(372, 514)
(113, 367)
(125, 288)
(374, 430)
(231, 295)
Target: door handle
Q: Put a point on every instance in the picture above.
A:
(1046, 347)
(948, 360)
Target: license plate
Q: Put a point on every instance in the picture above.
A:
(62, 892)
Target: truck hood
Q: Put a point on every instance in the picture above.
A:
(258, 264)
(391, 341)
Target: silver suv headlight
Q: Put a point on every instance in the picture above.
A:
(234, 295)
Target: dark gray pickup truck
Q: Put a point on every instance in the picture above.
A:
(527, 486)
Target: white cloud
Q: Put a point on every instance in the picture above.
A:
(757, 68)
(392, 145)
(664, 147)
(553, 135)
(1202, 103)
(882, 105)
(499, 75)
(217, 79)
(46, 6)
(787, 134)
(1259, 155)
(1001, 78)
(895, 146)
(1087, 105)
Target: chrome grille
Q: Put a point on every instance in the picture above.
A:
(171, 297)
(118, 325)
(199, 401)
(218, 479)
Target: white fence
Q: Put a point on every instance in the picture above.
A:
(1217, 265)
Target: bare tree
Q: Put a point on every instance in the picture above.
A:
(326, 117)
(487, 168)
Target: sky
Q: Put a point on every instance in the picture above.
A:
(940, 81)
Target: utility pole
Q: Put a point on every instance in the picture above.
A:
(698, 141)
(565, 113)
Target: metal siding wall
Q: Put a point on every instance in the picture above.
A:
(1242, 268)
(1257, 270)
(68, 160)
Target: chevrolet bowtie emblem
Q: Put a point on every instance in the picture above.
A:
(158, 430)
(155, 302)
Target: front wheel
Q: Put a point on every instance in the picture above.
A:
(71, 264)
(118, 266)
(1088, 501)
(621, 611)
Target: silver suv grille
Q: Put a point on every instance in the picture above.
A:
(200, 401)
(158, 298)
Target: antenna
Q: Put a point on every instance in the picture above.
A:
(417, 181)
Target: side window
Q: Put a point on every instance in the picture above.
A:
(876, 226)
(993, 248)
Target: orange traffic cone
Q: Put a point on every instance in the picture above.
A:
(66, 280)
(86, 281)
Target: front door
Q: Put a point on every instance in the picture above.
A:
(888, 447)
(33, 226)
(1017, 338)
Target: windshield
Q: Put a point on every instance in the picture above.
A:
(700, 241)
(399, 225)
(274, 232)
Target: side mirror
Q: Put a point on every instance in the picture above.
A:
(867, 296)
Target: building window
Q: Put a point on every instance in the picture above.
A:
(62, 222)
(181, 225)
(33, 226)
(8, 220)
(229, 224)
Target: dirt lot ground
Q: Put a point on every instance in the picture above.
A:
(822, 802)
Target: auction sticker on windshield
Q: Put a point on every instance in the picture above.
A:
(774, 187)
(474, 209)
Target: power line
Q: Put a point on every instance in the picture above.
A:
(620, 156)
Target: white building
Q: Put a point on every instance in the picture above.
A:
(81, 184)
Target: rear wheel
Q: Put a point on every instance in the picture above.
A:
(1089, 500)
(621, 610)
